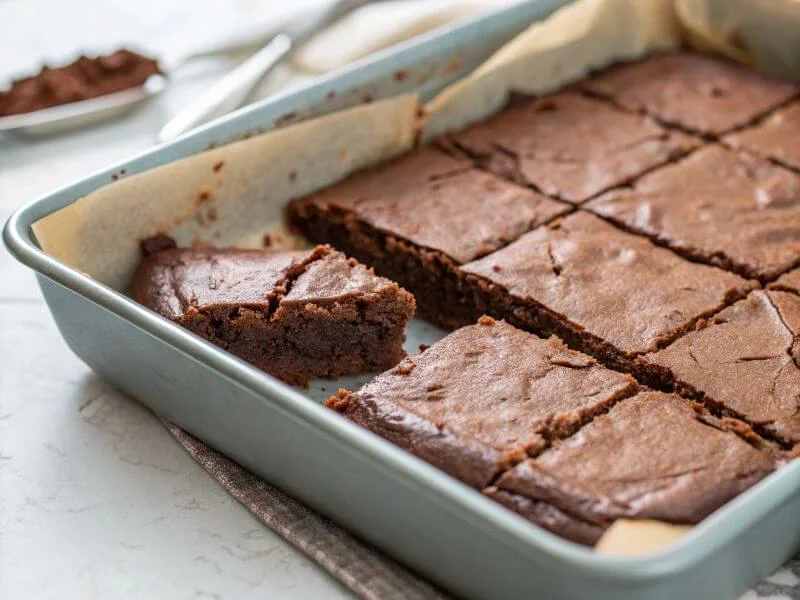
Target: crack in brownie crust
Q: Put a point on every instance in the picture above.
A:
(296, 315)
(608, 293)
(570, 146)
(774, 138)
(416, 219)
(534, 390)
(693, 91)
(717, 206)
(789, 282)
(744, 361)
(653, 456)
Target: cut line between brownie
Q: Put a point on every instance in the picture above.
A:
(378, 217)
(614, 467)
(605, 292)
(537, 390)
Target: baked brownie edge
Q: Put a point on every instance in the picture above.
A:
(296, 315)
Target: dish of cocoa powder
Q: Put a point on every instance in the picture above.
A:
(87, 77)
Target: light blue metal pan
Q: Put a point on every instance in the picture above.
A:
(438, 526)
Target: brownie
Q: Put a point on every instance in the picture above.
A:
(417, 218)
(606, 292)
(717, 206)
(653, 456)
(570, 146)
(774, 138)
(789, 282)
(296, 315)
(483, 398)
(696, 92)
(745, 361)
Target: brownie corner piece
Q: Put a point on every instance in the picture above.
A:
(483, 398)
(744, 362)
(604, 291)
(697, 92)
(297, 315)
(718, 206)
(570, 146)
(650, 457)
(416, 218)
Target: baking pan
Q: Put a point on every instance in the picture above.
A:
(427, 520)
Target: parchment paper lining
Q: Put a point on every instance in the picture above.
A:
(229, 196)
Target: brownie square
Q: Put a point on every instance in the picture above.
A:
(570, 146)
(716, 206)
(296, 315)
(653, 456)
(696, 92)
(416, 218)
(604, 291)
(789, 282)
(483, 398)
(745, 361)
(775, 137)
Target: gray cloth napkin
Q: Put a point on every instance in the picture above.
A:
(367, 572)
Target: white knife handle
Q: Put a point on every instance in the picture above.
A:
(230, 92)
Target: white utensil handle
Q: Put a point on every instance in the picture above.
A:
(231, 91)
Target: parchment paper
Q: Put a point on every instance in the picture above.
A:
(764, 34)
(580, 37)
(231, 195)
(590, 34)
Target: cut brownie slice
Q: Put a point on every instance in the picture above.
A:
(483, 398)
(745, 361)
(697, 92)
(604, 291)
(417, 218)
(653, 456)
(776, 137)
(717, 206)
(570, 146)
(296, 315)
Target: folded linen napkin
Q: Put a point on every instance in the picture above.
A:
(367, 572)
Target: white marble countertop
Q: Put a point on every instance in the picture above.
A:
(96, 498)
